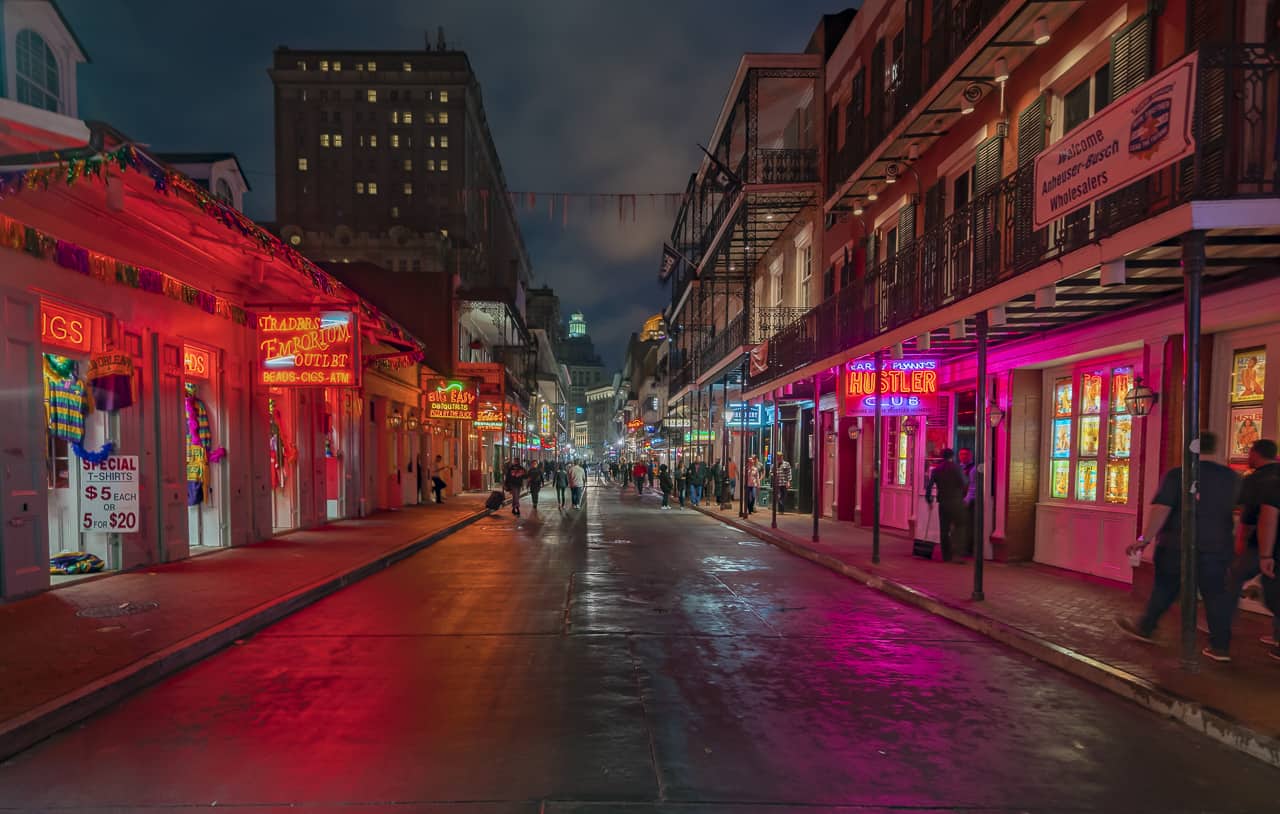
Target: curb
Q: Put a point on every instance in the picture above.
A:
(1216, 725)
(24, 731)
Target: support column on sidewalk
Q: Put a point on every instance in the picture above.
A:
(773, 451)
(1192, 269)
(876, 454)
(741, 484)
(978, 532)
(818, 451)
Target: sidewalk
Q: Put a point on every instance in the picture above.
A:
(70, 652)
(1065, 619)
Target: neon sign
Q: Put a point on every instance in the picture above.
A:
(544, 419)
(699, 435)
(741, 415)
(906, 386)
(308, 349)
(451, 400)
(635, 424)
(488, 419)
(197, 363)
(66, 327)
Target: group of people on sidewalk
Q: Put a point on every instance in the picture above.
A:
(956, 487)
(1226, 559)
(697, 481)
(563, 476)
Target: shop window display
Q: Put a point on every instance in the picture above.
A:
(1248, 381)
(1096, 466)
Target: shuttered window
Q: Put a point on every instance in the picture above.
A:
(1028, 245)
(1130, 56)
(935, 202)
(906, 226)
(1031, 132)
(877, 99)
(986, 170)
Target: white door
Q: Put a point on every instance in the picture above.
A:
(241, 461)
(24, 546)
(171, 448)
(136, 437)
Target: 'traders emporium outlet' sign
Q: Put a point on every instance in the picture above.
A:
(309, 349)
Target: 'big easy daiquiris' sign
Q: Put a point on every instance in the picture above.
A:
(452, 400)
(1147, 129)
(907, 386)
(309, 349)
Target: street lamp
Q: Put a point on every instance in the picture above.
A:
(1140, 398)
(994, 414)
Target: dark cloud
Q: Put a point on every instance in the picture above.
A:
(581, 97)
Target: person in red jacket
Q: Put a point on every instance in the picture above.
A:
(638, 473)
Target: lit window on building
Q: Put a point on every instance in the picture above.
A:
(408, 165)
(371, 95)
(373, 187)
(444, 96)
(407, 67)
(395, 139)
(337, 66)
(302, 64)
(444, 165)
(429, 117)
(373, 140)
(408, 188)
(443, 118)
(324, 139)
(337, 139)
(38, 82)
(395, 211)
(444, 142)
(302, 95)
(395, 117)
(431, 165)
(373, 66)
(324, 64)
(359, 187)
(431, 141)
(408, 117)
(359, 66)
(302, 164)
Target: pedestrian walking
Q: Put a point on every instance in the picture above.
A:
(577, 483)
(1259, 494)
(638, 474)
(439, 472)
(784, 482)
(561, 483)
(536, 478)
(666, 485)
(1217, 493)
(947, 479)
(752, 484)
(680, 484)
(733, 480)
(695, 475)
(513, 481)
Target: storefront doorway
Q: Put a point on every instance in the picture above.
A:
(282, 429)
(206, 422)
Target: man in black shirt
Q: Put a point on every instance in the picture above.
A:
(1260, 493)
(952, 487)
(1217, 493)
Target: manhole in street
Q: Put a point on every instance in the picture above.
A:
(123, 609)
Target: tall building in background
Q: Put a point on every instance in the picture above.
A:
(542, 311)
(386, 157)
(577, 324)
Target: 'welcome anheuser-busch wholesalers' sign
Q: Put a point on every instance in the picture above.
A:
(1144, 131)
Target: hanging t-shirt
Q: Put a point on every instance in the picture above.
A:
(111, 379)
(68, 405)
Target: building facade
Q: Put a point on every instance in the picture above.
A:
(1014, 220)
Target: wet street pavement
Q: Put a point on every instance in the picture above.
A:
(623, 658)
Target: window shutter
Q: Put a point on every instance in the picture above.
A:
(1131, 55)
(854, 129)
(912, 59)
(906, 226)
(987, 167)
(1031, 131)
(1211, 22)
(877, 99)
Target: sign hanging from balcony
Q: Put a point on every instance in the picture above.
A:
(907, 386)
(302, 349)
(452, 400)
(1142, 132)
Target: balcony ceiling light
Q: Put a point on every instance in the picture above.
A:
(1002, 69)
(1041, 31)
(871, 194)
(857, 206)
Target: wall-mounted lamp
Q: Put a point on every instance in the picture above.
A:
(891, 174)
(853, 431)
(994, 414)
(1140, 398)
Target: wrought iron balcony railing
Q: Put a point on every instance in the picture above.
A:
(722, 343)
(767, 321)
(992, 239)
(784, 166)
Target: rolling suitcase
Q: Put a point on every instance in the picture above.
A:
(924, 548)
(494, 501)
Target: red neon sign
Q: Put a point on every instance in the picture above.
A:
(197, 363)
(906, 386)
(452, 399)
(303, 349)
(66, 327)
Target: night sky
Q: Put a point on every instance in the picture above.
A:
(580, 96)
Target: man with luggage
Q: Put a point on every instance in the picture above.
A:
(947, 478)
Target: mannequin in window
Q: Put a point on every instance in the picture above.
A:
(200, 451)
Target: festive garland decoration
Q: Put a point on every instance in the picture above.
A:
(97, 456)
(167, 181)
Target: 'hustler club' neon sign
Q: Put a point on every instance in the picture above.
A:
(907, 386)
